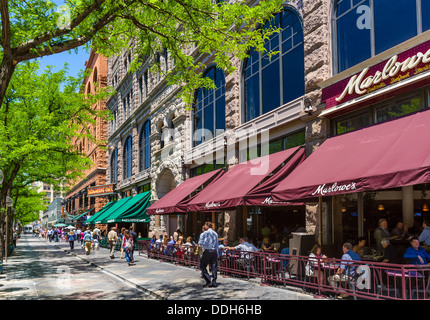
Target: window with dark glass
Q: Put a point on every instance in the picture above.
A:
(145, 151)
(114, 166)
(272, 82)
(128, 157)
(363, 29)
(209, 109)
(385, 111)
(280, 144)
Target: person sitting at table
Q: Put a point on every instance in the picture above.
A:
(416, 254)
(359, 248)
(223, 248)
(391, 253)
(315, 258)
(380, 233)
(244, 247)
(400, 231)
(346, 269)
(266, 245)
(424, 237)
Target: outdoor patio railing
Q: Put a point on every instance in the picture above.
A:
(360, 279)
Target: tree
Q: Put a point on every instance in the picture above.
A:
(37, 28)
(37, 123)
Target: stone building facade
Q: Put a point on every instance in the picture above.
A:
(76, 200)
(296, 119)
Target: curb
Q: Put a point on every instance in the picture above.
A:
(137, 286)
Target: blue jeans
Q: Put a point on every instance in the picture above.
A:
(128, 254)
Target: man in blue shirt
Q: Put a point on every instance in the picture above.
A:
(209, 242)
(425, 235)
(416, 254)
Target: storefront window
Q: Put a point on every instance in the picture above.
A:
(353, 123)
(395, 108)
(366, 28)
(398, 109)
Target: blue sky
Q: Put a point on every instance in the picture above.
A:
(76, 61)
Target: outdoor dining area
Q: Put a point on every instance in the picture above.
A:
(369, 278)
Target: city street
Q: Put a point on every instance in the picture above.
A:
(38, 270)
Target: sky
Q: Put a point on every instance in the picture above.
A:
(76, 61)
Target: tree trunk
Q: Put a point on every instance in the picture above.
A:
(7, 67)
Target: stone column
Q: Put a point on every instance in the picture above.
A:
(408, 205)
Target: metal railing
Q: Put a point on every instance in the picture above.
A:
(321, 277)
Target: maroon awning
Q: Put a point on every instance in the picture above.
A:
(230, 189)
(261, 195)
(171, 202)
(383, 156)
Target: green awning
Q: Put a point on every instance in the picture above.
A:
(81, 215)
(118, 204)
(98, 214)
(133, 211)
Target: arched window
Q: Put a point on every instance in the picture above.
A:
(209, 109)
(363, 29)
(128, 157)
(270, 83)
(114, 166)
(145, 147)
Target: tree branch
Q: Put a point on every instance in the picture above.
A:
(60, 32)
(5, 23)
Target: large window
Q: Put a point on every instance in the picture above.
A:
(270, 83)
(128, 157)
(391, 109)
(114, 166)
(363, 29)
(209, 111)
(145, 148)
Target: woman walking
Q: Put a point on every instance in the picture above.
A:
(71, 239)
(127, 245)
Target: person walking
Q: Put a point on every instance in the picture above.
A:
(209, 242)
(134, 235)
(121, 236)
(88, 242)
(72, 239)
(112, 239)
(96, 238)
(127, 245)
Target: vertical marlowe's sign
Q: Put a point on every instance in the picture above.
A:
(397, 68)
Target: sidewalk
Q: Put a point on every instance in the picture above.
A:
(166, 281)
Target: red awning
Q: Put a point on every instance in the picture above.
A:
(230, 189)
(171, 202)
(383, 156)
(261, 195)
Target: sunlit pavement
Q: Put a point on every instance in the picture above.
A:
(164, 280)
(39, 270)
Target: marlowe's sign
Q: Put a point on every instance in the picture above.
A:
(323, 190)
(395, 69)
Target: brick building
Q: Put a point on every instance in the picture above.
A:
(76, 200)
